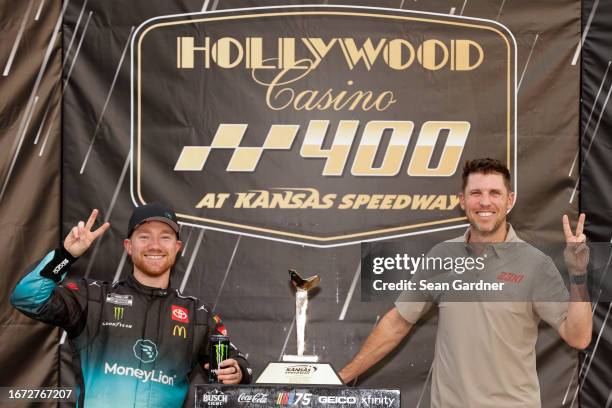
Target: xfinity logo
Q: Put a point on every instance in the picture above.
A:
(59, 267)
(369, 400)
(157, 376)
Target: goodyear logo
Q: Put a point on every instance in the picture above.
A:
(324, 138)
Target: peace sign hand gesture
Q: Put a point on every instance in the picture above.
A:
(576, 252)
(80, 238)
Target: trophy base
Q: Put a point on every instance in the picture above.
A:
(296, 372)
(300, 359)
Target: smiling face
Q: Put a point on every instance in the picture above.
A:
(486, 201)
(153, 247)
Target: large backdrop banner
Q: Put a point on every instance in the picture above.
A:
(285, 135)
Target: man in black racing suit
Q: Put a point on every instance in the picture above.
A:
(137, 340)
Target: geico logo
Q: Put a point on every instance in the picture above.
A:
(281, 137)
(332, 399)
(397, 53)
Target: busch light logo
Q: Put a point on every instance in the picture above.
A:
(214, 398)
(145, 350)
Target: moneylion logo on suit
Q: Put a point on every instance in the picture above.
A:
(371, 151)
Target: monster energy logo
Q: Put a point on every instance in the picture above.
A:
(221, 352)
(118, 312)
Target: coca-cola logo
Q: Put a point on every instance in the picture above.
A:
(259, 398)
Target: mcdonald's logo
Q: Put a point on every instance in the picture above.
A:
(179, 331)
(118, 312)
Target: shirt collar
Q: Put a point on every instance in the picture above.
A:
(500, 247)
(144, 289)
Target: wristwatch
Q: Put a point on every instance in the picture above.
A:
(578, 279)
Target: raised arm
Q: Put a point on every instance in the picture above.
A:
(389, 332)
(577, 327)
(34, 291)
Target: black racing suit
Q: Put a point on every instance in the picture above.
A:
(136, 344)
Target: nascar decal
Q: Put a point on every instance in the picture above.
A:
(318, 137)
(121, 300)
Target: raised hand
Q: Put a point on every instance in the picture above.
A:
(576, 251)
(80, 238)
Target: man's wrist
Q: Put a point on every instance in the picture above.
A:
(59, 265)
(67, 255)
(578, 278)
(246, 372)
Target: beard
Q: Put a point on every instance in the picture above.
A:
(486, 229)
(153, 268)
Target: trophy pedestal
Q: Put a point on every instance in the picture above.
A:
(300, 359)
(299, 373)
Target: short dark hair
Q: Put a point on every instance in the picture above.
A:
(485, 166)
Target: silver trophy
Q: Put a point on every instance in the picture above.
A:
(302, 286)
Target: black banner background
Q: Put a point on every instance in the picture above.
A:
(595, 190)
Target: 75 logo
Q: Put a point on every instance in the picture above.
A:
(293, 398)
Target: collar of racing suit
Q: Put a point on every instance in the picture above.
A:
(144, 289)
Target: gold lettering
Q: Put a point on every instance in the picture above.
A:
(421, 202)
(449, 160)
(428, 54)
(461, 54)
(394, 57)
(370, 143)
(397, 53)
(337, 155)
(213, 200)
(243, 200)
(368, 53)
